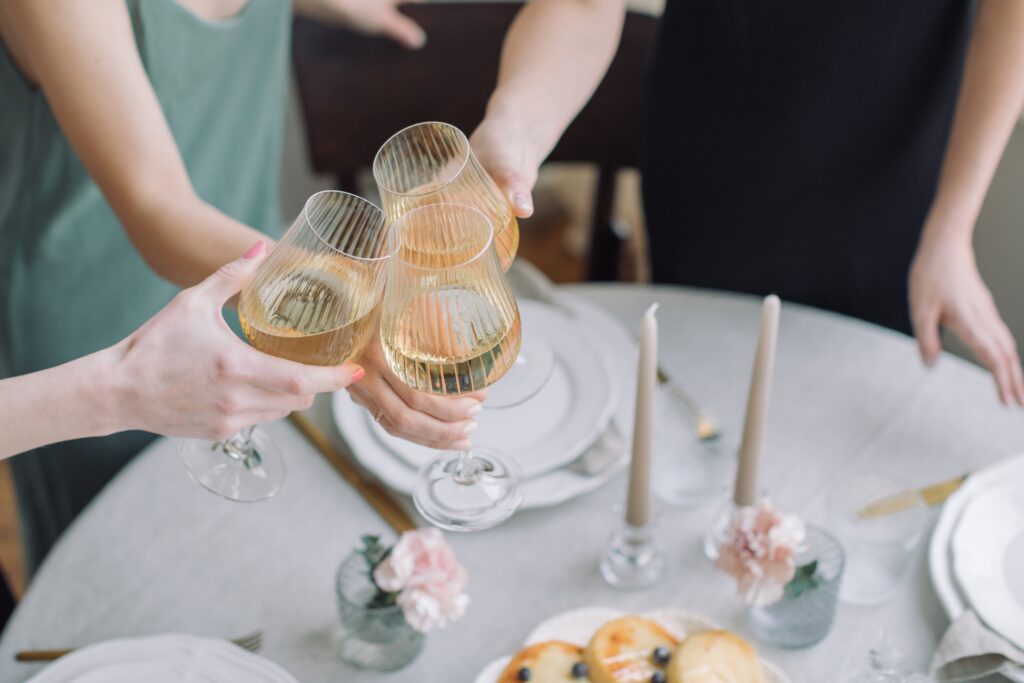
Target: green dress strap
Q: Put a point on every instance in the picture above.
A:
(70, 280)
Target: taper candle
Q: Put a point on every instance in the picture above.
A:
(752, 442)
(638, 503)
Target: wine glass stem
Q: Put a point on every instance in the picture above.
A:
(467, 469)
(240, 446)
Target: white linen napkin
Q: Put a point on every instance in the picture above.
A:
(970, 650)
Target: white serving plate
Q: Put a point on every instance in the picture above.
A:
(170, 658)
(565, 417)
(578, 626)
(604, 332)
(988, 557)
(940, 561)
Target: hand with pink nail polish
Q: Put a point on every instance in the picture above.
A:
(183, 373)
(435, 421)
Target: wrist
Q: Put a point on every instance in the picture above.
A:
(107, 392)
(505, 121)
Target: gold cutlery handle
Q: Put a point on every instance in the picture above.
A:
(40, 655)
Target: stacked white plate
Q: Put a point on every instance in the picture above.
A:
(170, 658)
(587, 395)
(976, 555)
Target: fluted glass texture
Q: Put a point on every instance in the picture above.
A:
(432, 163)
(449, 322)
(315, 298)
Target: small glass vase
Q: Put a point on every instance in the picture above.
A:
(804, 615)
(377, 638)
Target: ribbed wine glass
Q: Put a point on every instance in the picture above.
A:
(450, 326)
(432, 163)
(313, 300)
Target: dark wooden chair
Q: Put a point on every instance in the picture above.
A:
(357, 90)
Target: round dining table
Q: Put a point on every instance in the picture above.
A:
(156, 553)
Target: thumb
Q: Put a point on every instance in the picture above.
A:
(519, 195)
(403, 30)
(231, 277)
(926, 329)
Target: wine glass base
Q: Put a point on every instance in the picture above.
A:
(529, 373)
(455, 499)
(220, 472)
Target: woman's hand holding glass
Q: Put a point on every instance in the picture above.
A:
(185, 373)
(434, 421)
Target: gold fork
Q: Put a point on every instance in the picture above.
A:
(251, 642)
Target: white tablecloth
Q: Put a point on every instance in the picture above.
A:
(157, 553)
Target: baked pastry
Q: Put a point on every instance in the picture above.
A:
(549, 662)
(715, 657)
(629, 649)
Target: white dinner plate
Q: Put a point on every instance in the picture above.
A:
(940, 561)
(552, 488)
(578, 626)
(170, 658)
(988, 557)
(566, 416)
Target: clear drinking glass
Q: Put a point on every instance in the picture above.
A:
(313, 300)
(879, 546)
(450, 326)
(432, 163)
(805, 614)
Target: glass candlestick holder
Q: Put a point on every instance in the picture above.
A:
(632, 558)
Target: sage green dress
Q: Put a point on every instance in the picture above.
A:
(70, 280)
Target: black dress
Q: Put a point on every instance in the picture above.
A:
(794, 145)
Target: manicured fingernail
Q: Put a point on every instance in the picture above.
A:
(475, 410)
(255, 250)
(521, 201)
(358, 374)
(470, 428)
(461, 445)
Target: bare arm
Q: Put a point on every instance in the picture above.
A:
(945, 286)
(183, 373)
(554, 57)
(84, 58)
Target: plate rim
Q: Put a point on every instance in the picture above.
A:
(605, 391)
(964, 551)
(67, 669)
(939, 561)
(608, 328)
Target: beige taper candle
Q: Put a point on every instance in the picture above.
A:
(757, 405)
(638, 504)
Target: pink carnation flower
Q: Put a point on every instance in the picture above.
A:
(429, 581)
(760, 552)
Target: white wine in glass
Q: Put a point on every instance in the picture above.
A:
(320, 313)
(450, 326)
(432, 163)
(313, 300)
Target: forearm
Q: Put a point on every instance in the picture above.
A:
(555, 55)
(182, 238)
(990, 103)
(69, 401)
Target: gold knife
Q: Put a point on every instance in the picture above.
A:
(933, 495)
(377, 496)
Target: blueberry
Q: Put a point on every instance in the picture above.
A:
(661, 654)
(524, 674)
(658, 677)
(579, 670)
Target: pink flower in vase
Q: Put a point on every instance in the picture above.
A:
(760, 552)
(429, 580)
